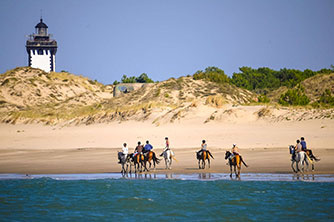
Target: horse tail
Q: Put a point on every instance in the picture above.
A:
(210, 154)
(243, 162)
(155, 159)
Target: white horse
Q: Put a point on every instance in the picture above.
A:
(299, 160)
(125, 162)
(168, 156)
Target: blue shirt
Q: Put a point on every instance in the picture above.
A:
(148, 147)
(303, 143)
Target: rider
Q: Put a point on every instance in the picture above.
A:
(234, 151)
(123, 154)
(298, 147)
(203, 146)
(138, 149)
(304, 148)
(166, 147)
(148, 147)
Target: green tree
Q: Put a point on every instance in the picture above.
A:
(294, 97)
(143, 78)
(212, 74)
(126, 79)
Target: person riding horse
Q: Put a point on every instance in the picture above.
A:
(122, 155)
(166, 147)
(307, 151)
(234, 152)
(139, 149)
(203, 148)
(147, 148)
(202, 155)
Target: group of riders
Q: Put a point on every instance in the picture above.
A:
(140, 149)
(301, 147)
(234, 157)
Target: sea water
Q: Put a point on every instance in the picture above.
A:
(166, 197)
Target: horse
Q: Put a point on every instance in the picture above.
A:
(138, 161)
(236, 162)
(300, 158)
(168, 156)
(148, 158)
(125, 162)
(202, 156)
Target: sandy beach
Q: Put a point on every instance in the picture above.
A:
(38, 149)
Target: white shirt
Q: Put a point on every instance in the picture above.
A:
(125, 150)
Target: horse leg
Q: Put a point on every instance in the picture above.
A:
(203, 164)
(209, 162)
(145, 168)
(170, 163)
(293, 167)
(235, 170)
(166, 163)
(231, 170)
(199, 164)
(306, 162)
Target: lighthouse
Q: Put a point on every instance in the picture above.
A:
(41, 48)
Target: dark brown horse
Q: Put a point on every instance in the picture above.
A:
(235, 161)
(138, 161)
(150, 156)
(202, 156)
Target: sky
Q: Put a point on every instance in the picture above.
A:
(105, 39)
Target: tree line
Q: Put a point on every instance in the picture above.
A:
(261, 80)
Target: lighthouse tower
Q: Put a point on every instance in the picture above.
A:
(41, 48)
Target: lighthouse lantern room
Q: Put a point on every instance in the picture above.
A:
(41, 48)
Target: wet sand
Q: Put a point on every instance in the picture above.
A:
(103, 160)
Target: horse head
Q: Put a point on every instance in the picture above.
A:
(227, 154)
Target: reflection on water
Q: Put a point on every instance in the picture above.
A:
(204, 176)
(303, 177)
(195, 176)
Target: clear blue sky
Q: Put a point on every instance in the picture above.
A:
(105, 39)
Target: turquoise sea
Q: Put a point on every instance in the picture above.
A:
(160, 197)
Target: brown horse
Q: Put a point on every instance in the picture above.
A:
(148, 158)
(236, 162)
(202, 156)
(138, 161)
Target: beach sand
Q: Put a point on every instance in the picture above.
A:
(38, 149)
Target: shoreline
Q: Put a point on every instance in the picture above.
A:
(103, 160)
(288, 177)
